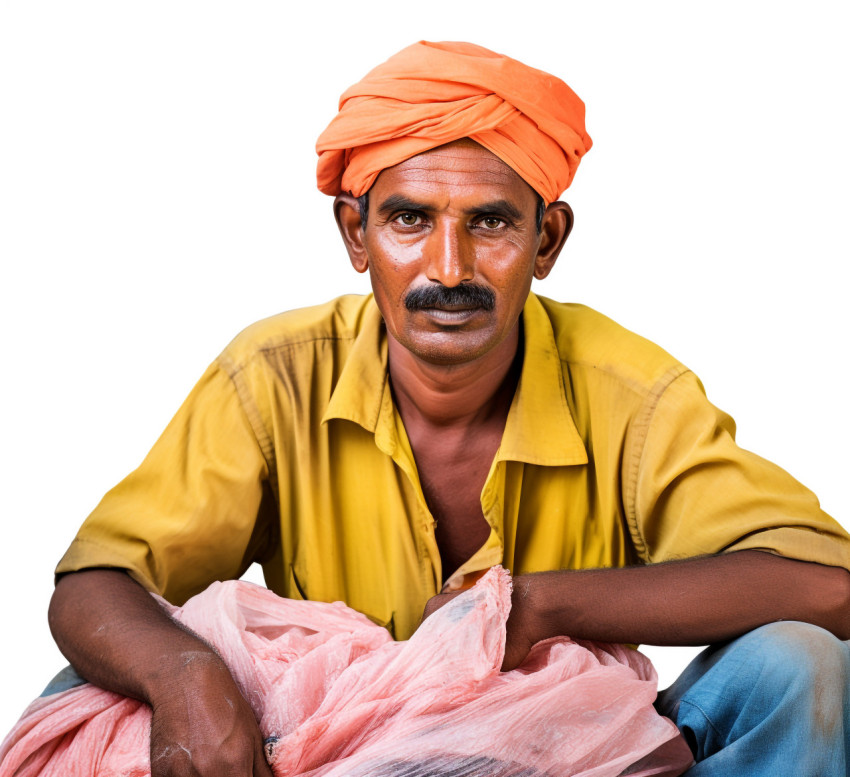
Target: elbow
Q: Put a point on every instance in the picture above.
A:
(68, 604)
(56, 610)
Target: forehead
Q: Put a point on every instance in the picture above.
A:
(462, 167)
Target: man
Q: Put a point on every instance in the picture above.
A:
(382, 451)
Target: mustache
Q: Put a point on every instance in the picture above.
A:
(467, 295)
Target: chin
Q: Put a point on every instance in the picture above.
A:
(447, 349)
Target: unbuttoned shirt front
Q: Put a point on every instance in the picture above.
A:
(290, 452)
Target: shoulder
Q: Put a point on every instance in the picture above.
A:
(327, 325)
(590, 342)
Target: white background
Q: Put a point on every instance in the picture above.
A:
(157, 195)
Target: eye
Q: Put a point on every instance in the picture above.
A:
(408, 219)
(491, 222)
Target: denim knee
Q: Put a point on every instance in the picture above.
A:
(784, 679)
(794, 658)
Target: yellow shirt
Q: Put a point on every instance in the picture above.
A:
(290, 452)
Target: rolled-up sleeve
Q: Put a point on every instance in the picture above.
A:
(694, 491)
(194, 511)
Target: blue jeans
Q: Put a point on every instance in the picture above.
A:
(771, 703)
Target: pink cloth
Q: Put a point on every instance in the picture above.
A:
(335, 696)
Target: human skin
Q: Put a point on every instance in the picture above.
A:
(453, 374)
(452, 216)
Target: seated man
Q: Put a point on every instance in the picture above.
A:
(384, 450)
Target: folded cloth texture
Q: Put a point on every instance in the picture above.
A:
(335, 695)
(430, 94)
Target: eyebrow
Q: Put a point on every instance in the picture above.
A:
(397, 202)
(498, 208)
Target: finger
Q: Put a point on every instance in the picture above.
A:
(261, 765)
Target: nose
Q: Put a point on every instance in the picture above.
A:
(449, 256)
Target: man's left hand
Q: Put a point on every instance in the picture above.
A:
(520, 627)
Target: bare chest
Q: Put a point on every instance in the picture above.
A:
(452, 473)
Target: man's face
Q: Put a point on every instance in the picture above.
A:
(451, 246)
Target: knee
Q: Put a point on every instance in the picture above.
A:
(792, 658)
(780, 678)
(798, 648)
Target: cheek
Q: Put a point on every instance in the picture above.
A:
(390, 285)
(390, 248)
(507, 265)
(393, 267)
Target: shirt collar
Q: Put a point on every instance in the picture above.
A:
(358, 395)
(539, 430)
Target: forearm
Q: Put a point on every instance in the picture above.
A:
(691, 602)
(117, 636)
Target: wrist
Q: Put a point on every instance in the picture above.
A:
(545, 604)
(532, 608)
(183, 670)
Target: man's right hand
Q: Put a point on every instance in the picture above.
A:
(117, 637)
(204, 727)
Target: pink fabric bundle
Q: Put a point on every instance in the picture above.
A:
(336, 696)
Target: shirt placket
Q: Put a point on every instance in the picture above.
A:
(391, 438)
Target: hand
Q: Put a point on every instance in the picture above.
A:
(203, 727)
(438, 601)
(120, 638)
(521, 624)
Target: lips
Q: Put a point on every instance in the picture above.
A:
(451, 314)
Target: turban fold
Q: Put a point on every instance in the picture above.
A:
(430, 94)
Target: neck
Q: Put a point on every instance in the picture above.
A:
(455, 395)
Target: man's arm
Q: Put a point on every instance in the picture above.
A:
(691, 602)
(117, 637)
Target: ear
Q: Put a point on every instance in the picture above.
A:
(556, 228)
(347, 215)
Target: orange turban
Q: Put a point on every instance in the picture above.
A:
(430, 94)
